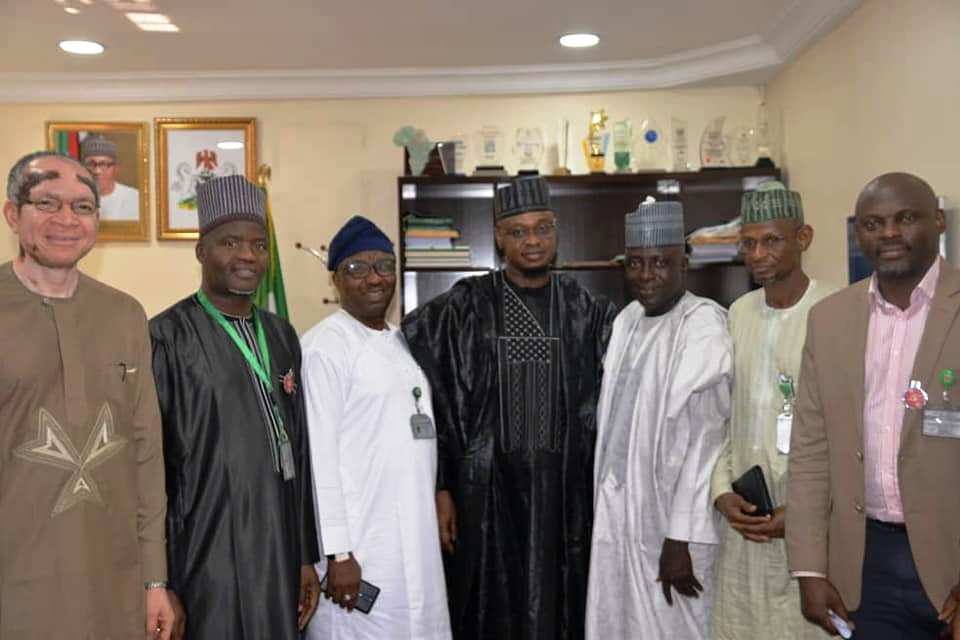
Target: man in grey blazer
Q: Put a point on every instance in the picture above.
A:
(874, 519)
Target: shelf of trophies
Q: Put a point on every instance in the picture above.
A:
(447, 218)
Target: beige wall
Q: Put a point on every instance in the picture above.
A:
(334, 158)
(878, 94)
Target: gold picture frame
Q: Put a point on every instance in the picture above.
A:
(191, 151)
(125, 211)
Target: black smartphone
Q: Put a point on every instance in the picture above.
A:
(365, 598)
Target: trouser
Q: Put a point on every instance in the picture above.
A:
(893, 605)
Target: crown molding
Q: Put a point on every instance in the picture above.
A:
(803, 22)
(760, 56)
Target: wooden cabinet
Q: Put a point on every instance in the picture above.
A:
(590, 216)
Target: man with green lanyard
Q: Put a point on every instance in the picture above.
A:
(240, 524)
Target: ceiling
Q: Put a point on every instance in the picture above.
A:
(405, 48)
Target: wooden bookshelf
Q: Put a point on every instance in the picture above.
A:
(590, 217)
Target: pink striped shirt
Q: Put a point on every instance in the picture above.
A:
(893, 337)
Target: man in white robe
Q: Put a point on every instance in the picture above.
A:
(374, 455)
(755, 595)
(663, 410)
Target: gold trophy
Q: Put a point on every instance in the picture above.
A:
(595, 144)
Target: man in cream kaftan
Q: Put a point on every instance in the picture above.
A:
(755, 595)
(663, 408)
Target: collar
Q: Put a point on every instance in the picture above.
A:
(921, 294)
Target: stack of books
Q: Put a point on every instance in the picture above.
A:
(431, 242)
(715, 244)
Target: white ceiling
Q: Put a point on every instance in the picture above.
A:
(308, 48)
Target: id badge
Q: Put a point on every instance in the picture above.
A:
(941, 423)
(784, 425)
(422, 427)
(287, 467)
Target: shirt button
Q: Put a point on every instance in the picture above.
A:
(858, 507)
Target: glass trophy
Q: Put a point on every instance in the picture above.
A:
(595, 144)
(713, 147)
(489, 151)
(460, 148)
(622, 145)
(678, 131)
(742, 146)
(563, 148)
(764, 137)
(650, 147)
(528, 148)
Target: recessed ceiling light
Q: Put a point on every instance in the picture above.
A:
(230, 145)
(81, 47)
(579, 40)
(172, 28)
(72, 10)
(147, 18)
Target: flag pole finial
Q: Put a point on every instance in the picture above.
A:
(264, 173)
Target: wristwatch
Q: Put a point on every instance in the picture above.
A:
(159, 584)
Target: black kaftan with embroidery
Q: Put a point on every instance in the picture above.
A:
(516, 376)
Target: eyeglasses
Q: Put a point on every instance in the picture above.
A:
(771, 243)
(359, 269)
(53, 204)
(93, 165)
(543, 231)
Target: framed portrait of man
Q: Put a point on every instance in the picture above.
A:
(191, 151)
(117, 156)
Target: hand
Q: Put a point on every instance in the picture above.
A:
(447, 520)
(676, 570)
(309, 595)
(161, 615)
(948, 613)
(343, 582)
(737, 512)
(817, 595)
(180, 617)
(772, 527)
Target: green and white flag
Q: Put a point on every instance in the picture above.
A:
(270, 294)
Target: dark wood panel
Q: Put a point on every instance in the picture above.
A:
(590, 211)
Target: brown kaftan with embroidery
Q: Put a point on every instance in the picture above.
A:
(82, 499)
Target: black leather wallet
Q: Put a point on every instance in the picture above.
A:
(365, 597)
(752, 487)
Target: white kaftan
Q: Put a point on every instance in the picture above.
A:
(375, 483)
(661, 421)
(756, 597)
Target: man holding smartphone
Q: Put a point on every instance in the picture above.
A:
(374, 452)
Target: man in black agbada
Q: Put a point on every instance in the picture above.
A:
(240, 524)
(514, 359)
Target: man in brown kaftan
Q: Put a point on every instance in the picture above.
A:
(82, 497)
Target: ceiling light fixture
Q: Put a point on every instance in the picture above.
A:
(147, 18)
(170, 28)
(81, 47)
(579, 40)
(230, 145)
(72, 10)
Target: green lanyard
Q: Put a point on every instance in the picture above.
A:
(262, 369)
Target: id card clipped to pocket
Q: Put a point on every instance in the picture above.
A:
(943, 421)
(420, 423)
